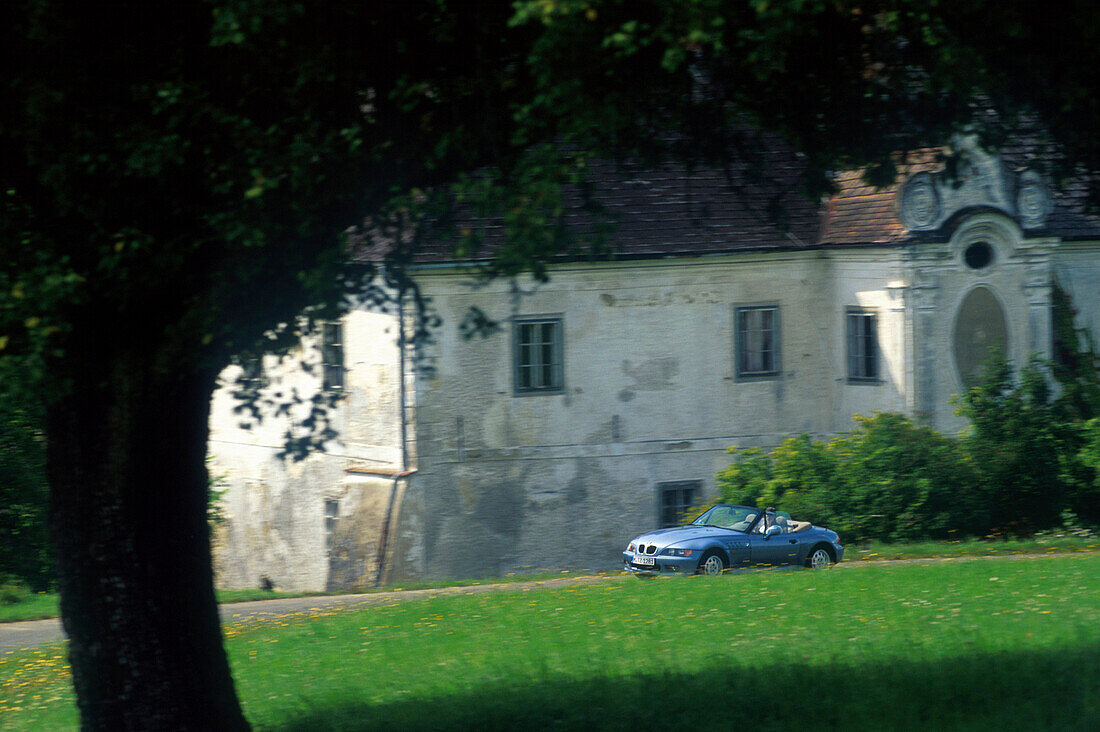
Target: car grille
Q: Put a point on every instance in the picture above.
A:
(644, 549)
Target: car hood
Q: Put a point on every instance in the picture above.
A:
(679, 534)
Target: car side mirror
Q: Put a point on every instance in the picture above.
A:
(772, 531)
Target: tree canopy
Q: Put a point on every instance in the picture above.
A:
(178, 180)
(173, 159)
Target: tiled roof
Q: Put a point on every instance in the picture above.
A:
(671, 210)
(859, 214)
(1069, 220)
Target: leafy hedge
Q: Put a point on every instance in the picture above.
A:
(25, 555)
(1019, 469)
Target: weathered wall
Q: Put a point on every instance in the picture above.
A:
(1077, 270)
(276, 511)
(511, 482)
(874, 281)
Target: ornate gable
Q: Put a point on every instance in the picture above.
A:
(980, 180)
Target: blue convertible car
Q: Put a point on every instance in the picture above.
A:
(729, 536)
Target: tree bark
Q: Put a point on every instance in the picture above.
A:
(129, 487)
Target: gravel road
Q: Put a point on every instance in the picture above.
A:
(32, 633)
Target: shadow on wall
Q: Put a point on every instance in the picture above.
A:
(1022, 690)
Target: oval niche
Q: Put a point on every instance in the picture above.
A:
(980, 330)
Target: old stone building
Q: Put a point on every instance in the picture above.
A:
(606, 400)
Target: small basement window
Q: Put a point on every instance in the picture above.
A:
(676, 498)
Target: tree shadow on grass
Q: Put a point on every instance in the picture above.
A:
(1049, 690)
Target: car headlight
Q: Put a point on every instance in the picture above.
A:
(630, 547)
(674, 552)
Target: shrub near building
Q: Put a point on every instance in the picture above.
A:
(1016, 447)
(1090, 456)
(1028, 450)
(891, 479)
(903, 481)
(1025, 465)
(25, 557)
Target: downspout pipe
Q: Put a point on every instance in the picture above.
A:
(383, 541)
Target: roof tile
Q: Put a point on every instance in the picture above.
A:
(674, 210)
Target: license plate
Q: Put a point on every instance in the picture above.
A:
(650, 561)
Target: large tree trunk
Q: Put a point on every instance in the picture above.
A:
(129, 489)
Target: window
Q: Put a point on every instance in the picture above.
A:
(332, 356)
(758, 341)
(981, 328)
(253, 377)
(677, 498)
(862, 346)
(538, 355)
(978, 255)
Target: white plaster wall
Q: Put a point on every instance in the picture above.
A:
(651, 396)
(370, 427)
(275, 520)
(1077, 269)
(651, 342)
(870, 279)
(275, 524)
(509, 483)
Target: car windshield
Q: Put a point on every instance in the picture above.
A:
(738, 518)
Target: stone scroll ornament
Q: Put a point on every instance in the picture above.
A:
(920, 202)
(1033, 200)
(929, 199)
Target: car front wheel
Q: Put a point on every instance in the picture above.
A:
(819, 558)
(711, 563)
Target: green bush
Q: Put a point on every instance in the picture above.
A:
(24, 548)
(903, 481)
(11, 591)
(1026, 460)
(803, 480)
(891, 480)
(746, 478)
(1084, 499)
(1024, 452)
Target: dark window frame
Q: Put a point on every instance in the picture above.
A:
(862, 355)
(538, 364)
(686, 494)
(744, 340)
(332, 356)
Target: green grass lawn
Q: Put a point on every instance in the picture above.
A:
(45, 605)
(878, 550)
(1006, 643)
(35, 607)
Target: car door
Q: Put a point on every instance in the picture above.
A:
(739, 550)
(777, 549)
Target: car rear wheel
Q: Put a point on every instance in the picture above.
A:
(712, 563)
(820, 558)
